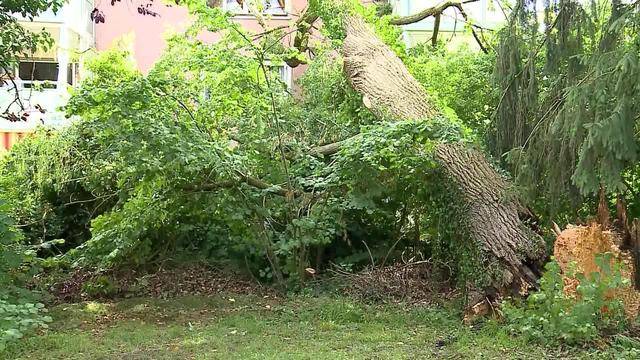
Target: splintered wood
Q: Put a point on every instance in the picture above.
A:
(581, 244)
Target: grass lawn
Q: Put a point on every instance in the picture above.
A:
(248, 327)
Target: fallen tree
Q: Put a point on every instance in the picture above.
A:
(496, 219)
(173, 165)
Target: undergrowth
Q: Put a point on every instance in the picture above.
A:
(552, 316)
(19, 312)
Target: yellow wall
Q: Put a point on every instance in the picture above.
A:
(453, 40)
(54, 32)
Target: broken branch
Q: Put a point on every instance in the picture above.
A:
(432, 11)
(436, 12)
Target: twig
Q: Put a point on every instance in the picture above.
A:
(15, 89)
(373, 263)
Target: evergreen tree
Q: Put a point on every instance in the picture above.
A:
(566, 121)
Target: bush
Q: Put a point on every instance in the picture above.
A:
(17, 319)
(551, 316)
(459, 80)
(167, 165)
(45, 183)
(19, 314)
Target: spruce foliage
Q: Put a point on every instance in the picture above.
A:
(566, 120)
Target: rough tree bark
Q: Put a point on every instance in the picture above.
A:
(496, 220)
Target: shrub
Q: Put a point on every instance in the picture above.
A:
(459, 80)
(551, 316)
(45, 185)
(17, 319)
(19, 314)
(167, 165)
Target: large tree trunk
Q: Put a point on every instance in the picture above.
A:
(495, 218)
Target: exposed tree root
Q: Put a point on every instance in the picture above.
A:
(581, 244)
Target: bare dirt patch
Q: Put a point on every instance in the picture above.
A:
(581, 244)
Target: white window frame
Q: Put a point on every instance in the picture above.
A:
(73, 71)
(244, 11)
(22, 82)
(285, 75)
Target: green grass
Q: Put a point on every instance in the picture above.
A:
(246, 327)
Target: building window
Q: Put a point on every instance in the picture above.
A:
(283, 72)
(31, 72)
(277, 7)
(241, 7)
(73, 76)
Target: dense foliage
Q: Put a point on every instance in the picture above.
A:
(210, 156)
(19, 313)
(551, 315)
(568, 111)
(459, 80)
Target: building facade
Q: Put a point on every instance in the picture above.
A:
(42, 79)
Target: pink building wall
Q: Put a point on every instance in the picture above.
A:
(149, 32)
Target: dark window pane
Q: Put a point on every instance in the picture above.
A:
(40, 71)
(72, 73)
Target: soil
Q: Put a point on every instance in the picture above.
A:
(581, 244)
